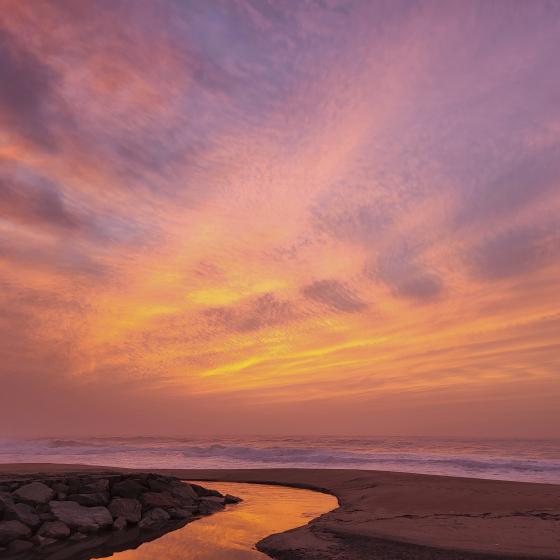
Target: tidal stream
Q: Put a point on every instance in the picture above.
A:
(232, 533)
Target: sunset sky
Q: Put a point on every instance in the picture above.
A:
(280, 216)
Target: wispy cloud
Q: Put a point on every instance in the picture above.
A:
(278, 203)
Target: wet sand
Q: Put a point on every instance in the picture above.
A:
(401, 516)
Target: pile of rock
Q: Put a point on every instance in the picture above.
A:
(40, 511)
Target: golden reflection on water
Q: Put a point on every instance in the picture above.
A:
(232, 533)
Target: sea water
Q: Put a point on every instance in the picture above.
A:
(535, 460)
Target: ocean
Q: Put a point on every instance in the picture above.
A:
(534, 460)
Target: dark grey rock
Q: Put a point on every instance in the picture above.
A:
(24, 513)
(229, 499)
(6, 501)
(153, 517)
(119, 524)
(93, 499)
(61, 488)
(54, 530)
(204, 492)
(180, 513)
(92, 487)
(159, 500)
(157, 485)
(34, 493)
(128, 489)
(85, 519)
(12, 530)
(43, 541)
(183, 492)
(19, 546)
(210, 505)
(129, 508)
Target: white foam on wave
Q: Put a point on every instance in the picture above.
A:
(529, 460)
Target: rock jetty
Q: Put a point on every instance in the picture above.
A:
(41, 511)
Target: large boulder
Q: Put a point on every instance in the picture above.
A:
(180, 513)
(128, 508)
(229, 499)
(12, 530)
(85, 519)
(211, 504)
(128, 489)
(54, 530)
(204, 492)
(24, 513)
(93, 499)
(6, 500)
(159, 500)
(156, 516)
(19, 545)
(120, 524)
(34, 493)
(183, 492)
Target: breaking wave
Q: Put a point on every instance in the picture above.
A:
(529, 460)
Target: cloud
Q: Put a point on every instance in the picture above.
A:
(519, 251)
(261, 312)
(526, 180)
(401, 270)
(28, 85)
(36, 202)
(339, 216)
(335, 295)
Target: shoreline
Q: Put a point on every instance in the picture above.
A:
(388, 515)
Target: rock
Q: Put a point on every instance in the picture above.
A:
(74, 485)
(119, 524)
(128, 489)
(94, 499)
(156, 516)
(54, 530)
(180, 513)
(128, 508)
(46, 516)
(20, 546)
(229, 499)
(99, 485)
(24, 513)
(215, 499)
(157, 485)
(6, 501)
(34, 493)
(85, 519)
(12, 530)
(184, 493)
(43, 541)
(61, 488)
(78, 536)
(211, 504)
(204, 492)
(159, 500)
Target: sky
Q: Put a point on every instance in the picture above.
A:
(280, 216)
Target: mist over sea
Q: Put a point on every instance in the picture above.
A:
(535, 460)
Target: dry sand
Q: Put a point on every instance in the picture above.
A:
(400, 516)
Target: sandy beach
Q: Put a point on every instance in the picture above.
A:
(389, 515)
